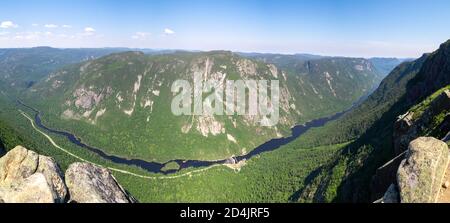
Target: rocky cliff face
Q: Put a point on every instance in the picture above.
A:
(433, 75)
(372, 125)
(418, 169)
(27, 177)
(126, 97)
(429, 117)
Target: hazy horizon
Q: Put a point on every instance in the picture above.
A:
(193, 50)
(400, 28)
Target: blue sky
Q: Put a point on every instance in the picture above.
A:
(401, 28)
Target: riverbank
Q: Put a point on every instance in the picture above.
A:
(155, 167)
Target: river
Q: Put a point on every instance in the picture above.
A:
(155, 167)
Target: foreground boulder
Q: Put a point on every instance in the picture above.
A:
(33, 189)
(420, 174)
(89, 183)
(27, 177)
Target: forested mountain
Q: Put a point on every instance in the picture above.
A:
(125, 98)
(370, 126)
(21, 68)
(121, 102)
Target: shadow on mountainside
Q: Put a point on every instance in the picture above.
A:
(2, 148)
(308, 180)
(370, 151)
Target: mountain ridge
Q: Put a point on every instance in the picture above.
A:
(157, 72)
(373, 146)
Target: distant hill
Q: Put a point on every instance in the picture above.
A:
(21, 68)
(386, 65)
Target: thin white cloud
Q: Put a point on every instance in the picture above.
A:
(168, 31)
(67, 26)
(50, 26)
(35, 25)
(27, 36)
(4, 33)
(141, 35)
(8, 24)
(89, 30)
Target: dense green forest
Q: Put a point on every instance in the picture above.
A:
(310, 169)
(272, 177)
(371, 125)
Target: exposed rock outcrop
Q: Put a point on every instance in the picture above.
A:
(27, 177)
(420, 175)
(87, 99)
(412, 124)
(33, 189)
(404, 132)
(431, 117)
(88, 183)
(53, 175)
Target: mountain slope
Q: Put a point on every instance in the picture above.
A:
(283, 61)
(347, 177)
(337, 81)
(391, 90)
(386, 65)
(126, 98)
(21, 68)
(9, 137)
(122, 102)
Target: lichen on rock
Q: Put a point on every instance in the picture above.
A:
(89, 183)
(27, 177)
(420, 174)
